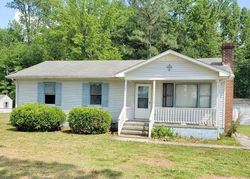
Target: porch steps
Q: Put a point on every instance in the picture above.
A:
(135, 128)
(133, 136)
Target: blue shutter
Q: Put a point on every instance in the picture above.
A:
(58, 94)
(40, 93)
(85, 94)
(105, 94)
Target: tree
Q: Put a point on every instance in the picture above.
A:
(229, 21)
(242, 64)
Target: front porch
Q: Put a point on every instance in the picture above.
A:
(149, 101)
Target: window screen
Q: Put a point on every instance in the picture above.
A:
(96, 94)
(204, 95)
(168, 94)
(186, 95)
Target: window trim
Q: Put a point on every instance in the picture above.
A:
(198, 93)
(90, 95)
(164, 101)
(210, 95)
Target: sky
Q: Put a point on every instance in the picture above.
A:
(7, 14)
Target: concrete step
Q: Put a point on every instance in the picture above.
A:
(136, 123)
(133, 136)
(134, 132)
(135, 127)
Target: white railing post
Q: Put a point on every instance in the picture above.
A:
(125, 93)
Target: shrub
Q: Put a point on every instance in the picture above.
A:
(37, 117)
(162, 132)
(233, 128)
(89, 120)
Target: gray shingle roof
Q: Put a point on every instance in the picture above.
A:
(216, 62)
(75, 69)
(92, 69)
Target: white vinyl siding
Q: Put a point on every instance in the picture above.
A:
(72, 94)
(27, 92)
(221, 104)
(181, 70)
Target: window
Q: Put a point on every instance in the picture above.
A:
(96, 94)
(50, 93)
(142, 97)
(168, 95)
(186, 95)
(204, 95)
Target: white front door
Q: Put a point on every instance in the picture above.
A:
(142, 101)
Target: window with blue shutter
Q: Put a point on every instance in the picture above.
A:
(95, 94)
(50, 93)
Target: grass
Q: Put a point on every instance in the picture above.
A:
(245, 130)
(222, 141)
(66, 155)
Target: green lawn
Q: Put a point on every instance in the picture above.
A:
(66, 155)
(245, 130)
(222, 141)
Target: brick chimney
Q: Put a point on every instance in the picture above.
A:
(228, 59)
(228, 54)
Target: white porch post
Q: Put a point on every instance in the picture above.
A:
(152, 115)
(217, 103)
(123, 115)
(125, 93)
(153, 100)
(125, 99)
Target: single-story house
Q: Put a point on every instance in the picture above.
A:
(193, 96)
(5, 104)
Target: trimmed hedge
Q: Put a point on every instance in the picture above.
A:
(37, 117)
(89, 120)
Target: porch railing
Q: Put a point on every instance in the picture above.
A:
(124, 116)
(186, 116)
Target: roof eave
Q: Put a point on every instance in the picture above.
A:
(58, 77)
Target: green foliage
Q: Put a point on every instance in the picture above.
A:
(89, 120)
(233, 128)
(162, 132)
(37, 117)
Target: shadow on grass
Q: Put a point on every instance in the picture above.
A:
(16, 168)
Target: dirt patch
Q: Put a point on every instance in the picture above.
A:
(158, 162)
(219, 177)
